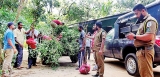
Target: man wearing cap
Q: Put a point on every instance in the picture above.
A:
(9, 50)
(98, 47)
(19, 34)
(144, 40)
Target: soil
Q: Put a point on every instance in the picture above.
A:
(113, 68)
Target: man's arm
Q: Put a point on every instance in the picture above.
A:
(91, 37)
(17, 41)
(11, 44)
(28, 31)
(9, 37)
(150, 32)
(84, 41)
(146, 37)
(103, 41)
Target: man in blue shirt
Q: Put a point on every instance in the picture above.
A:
(81, 41)
(9, 50)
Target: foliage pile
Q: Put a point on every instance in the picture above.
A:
(52, 50)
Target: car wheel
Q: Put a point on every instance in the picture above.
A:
(74, 58)
(131, 64)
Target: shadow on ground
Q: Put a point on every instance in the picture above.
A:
(115, 63)
(66, 64)
(120, 64)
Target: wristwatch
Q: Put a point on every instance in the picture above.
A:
(134, 37)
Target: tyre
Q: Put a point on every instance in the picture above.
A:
(74, 58)
(44, 61)
(131, 64)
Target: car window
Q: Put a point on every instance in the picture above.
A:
(110, 34)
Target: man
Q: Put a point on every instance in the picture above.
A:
(56, 23)
(32, 57)
(98, 48)
(144, 40)
(9, 50)
(88, 46)
(81, 46)
(92, 37)
(19, 34)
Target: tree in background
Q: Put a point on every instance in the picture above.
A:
(127, 5)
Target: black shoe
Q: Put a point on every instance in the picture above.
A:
(34, 65)
(15, 66)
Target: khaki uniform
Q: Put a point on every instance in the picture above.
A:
(96, 47)
(146, 56)
(8, 55)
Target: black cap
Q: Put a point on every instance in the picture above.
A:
(9, 24)
(139, 7)
(99, 24)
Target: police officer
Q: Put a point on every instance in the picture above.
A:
(98, 47)
(144, 40)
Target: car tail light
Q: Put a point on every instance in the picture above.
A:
(157, 41)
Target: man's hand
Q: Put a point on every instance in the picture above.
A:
(100, 52)
(14, 50)
(86, 36)
(21, 45)
(130, 36)
(82, 49)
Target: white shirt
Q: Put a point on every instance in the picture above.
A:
(36, 32)
(88, 42)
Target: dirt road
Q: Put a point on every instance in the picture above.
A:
(113, 68)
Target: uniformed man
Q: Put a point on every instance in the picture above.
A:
(98, 47)
(92, 37)
(144, 40)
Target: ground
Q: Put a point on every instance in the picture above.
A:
(113, 68)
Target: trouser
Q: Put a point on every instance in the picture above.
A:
(100, 62)
(88, 51)
(81, 56)
(145, 62)
(32, 57)
(8, 55)
(19, 57)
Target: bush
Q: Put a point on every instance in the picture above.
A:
(52, 50)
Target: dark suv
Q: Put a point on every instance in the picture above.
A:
(119, 47)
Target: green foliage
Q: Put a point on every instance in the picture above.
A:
(68, 41)
(51, 51)
(75, 13)
(129, 4)
(9, 4)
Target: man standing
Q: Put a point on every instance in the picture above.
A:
(9, 50)
(88, 46)
(81, 46)
(32, 57)
(98, 48)
(19, 34)
(92, 37)
(144, 40)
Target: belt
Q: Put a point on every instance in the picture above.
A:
(143, 47)
(140, 48)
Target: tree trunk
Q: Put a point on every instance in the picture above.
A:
(1, 57)
(20, 7)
